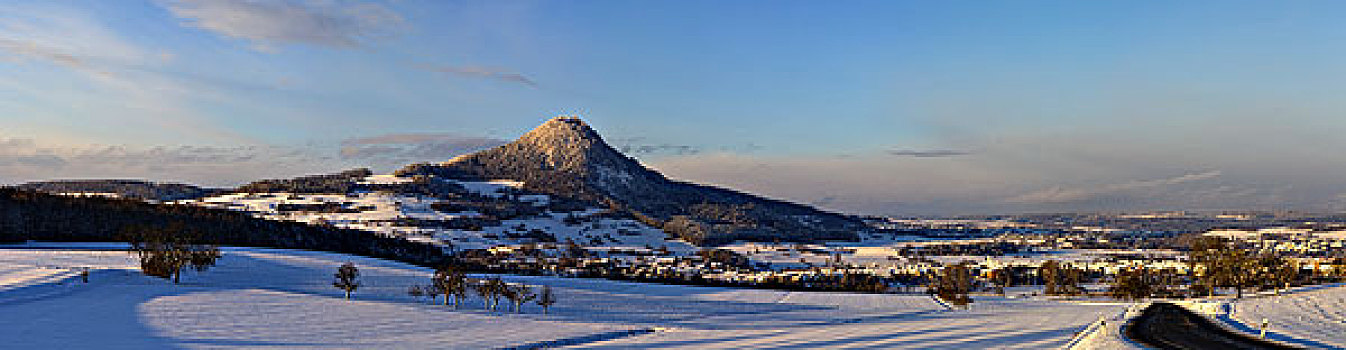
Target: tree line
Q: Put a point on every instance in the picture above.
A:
(452, 283)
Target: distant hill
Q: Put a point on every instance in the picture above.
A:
(30, 215)
(342, 182)
(564, 157)
(132, 189)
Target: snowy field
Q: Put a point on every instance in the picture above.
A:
(266, 298)
(1312, 316)
(381, 212)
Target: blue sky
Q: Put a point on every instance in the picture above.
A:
(889, 107)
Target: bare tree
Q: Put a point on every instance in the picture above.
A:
(484, 291)
(519, 294)
(433, 291)
(495, 288)
(546, 299)
(451, 282)
(416, 292)
(347, 278)
(508, 292)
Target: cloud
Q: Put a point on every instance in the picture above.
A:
(414, 147)
(24, 159)
(935, 153)
(485, 73)
(34, 50)
(638, 146)
(268, 24)
(1057, 194)
(122, 84)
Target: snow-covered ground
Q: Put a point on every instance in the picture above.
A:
(390, 214)
(283, 299)
(1308, 316)
(254, 298)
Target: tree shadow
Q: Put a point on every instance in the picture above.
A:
(102, 314)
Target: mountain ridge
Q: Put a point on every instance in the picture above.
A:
(126, 188)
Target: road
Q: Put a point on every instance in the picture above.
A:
(1169, 326)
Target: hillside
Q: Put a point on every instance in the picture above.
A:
(132, 189)
(28, 215)
(564, 157)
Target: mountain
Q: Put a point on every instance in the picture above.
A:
(133, 189)
(564, 157)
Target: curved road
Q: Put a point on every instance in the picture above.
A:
(1169, 326)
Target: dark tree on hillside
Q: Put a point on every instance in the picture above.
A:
(347, 278)
(165, 251)
(955, 282)
(546, 299)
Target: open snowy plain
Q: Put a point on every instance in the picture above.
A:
(268, 298)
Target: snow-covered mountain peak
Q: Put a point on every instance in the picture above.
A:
(565, 145)
(566, 158)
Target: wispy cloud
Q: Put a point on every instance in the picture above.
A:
(638, 146)
(485, 73)
(1057, 194)
(413, 147)
(934, 153)
(25, 159)
(269, 24)
(65, 37)
(126, 79)
(34, 50)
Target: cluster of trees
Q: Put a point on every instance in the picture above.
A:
(342, 182)
(1213, 263)
(453, 283)
(348, 181)
(1060, 279)
(165, 251)
(726, 257)
(1141, 282)
(570, 261)
(1221, 264)
(969, 249)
